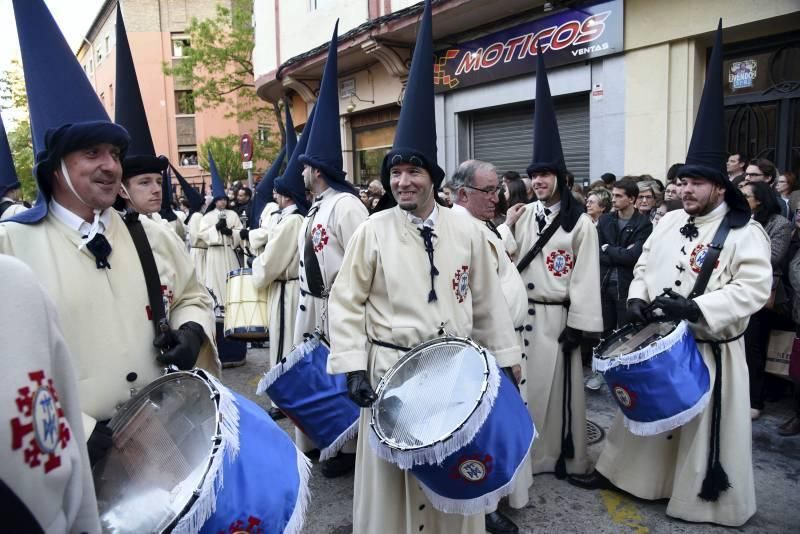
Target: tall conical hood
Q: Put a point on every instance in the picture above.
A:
(8, 175)
(415, 139)
(324, 150)
(291, 183)
(166, 211)
(707, 156)
(547, 153)
(217, 185)
(263, 193)
(130, 114)
(193, 196)
(65, 113)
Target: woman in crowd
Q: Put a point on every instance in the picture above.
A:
(785, 186)
(766, 210)
(649, 197)
(666, 207)
(516, 192)
(597, 203)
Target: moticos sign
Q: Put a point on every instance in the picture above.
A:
(569, 36)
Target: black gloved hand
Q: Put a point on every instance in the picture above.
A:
(244, 234)
(99, 443)
(226, 231)
(221, 225)
(676, 306)
(637, 312)
(180, 347)
(570, 339)
(250, 261)
(359, 389)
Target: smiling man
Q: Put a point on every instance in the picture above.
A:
(408, 272)
(82, 251)
(555, 247)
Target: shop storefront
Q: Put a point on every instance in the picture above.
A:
(485, 91)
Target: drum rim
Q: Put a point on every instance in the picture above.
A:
(239, 272)
(606, 341)
(216, 448)
(396, 367)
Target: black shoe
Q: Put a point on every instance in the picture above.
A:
(276, 414)
(499, 523)
(339, 465)
(593, 480)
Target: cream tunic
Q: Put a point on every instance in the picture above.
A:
(333, 218)
(197, 247)
(276, 267)
(13, 209)
(672, 465)
(567, 269)
(57, 488)
(381, 293)
(105, 312)
(258, 237)
(220, 257)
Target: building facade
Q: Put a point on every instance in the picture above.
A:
(157, 35)
(626, 76)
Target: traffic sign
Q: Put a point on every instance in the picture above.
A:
(246, 148)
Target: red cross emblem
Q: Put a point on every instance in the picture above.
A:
(319, 237)
(461, 283)
(560, 263)
(41, 426)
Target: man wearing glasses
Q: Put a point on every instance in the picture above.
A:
(763, 170)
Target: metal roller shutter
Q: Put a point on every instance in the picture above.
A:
(504, 136)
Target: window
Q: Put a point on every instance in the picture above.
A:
(103, 99)
(111, 93)
(91, 65)
(99, 56)
(184, 103)
(187, 155)
(108, 44)
(180, 42)
(263, 133)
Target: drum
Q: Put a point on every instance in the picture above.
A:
(247, 308)
(656, 374)
(173, 445)
(450, 416)
(314, 400)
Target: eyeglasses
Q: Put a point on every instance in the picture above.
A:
(646, 197)
(488, 190)
(748, 174)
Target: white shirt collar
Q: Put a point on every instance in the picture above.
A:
(716, 213)
(288, 210)
(75, 222)
(325, 194)
(430, 221)
(554, 209)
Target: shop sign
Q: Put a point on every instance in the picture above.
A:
(742, 74)
(569, 36)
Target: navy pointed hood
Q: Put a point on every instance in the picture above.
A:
(166, 210)
(324, 150)
(707, 155)
(130, 113)
(262, 195)
(548, 156)
(8, 175)
(65, 113)
(291, 183)
(217, 185)
(193, 196)
(415, 138)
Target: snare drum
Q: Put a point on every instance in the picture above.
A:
(447, 413)
(314, 400)
(176, 441)
(656, 373)
(247, 308)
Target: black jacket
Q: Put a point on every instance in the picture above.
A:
(624, 248)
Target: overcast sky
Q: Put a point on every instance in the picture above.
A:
(73, 17)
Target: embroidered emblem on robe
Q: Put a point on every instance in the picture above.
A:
(319, 237)
(698, 256)
(559, 263)
(461, 283)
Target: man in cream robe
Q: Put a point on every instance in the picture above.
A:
(197, 247)
(219, 230)
(258, 238)
(475, 196)
(672, 465)
(276, 268)
(381, 294)
(38, 380)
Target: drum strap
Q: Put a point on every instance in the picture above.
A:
(540, 243)
(314, 280)
(716, 479)
(16, 516)
(150, 270)
(282, 322)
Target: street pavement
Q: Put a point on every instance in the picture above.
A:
(557, 507)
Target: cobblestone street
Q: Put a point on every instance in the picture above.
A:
(555, 506)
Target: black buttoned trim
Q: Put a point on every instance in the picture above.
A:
(302, 307)
(131, 377)
(526, 342)
(421, 507)
(531, 312)
(528, 327)
(677, 282)
(530, 285)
